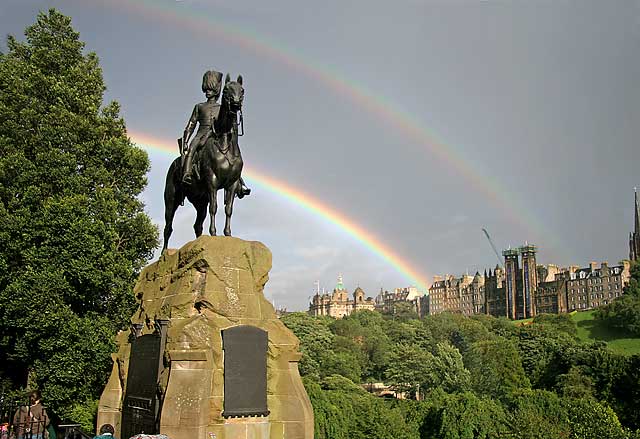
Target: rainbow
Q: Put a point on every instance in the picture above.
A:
(407, 123)
(310, 204)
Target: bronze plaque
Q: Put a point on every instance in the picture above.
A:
(140, 406)
(245, 371)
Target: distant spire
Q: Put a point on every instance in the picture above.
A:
(637, 222)
(634, 238)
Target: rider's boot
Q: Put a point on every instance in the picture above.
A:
(244, 190)
(186, 170)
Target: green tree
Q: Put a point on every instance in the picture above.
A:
(558, 322)
(624, 312)
(575, 384)
(537, 414)
(540, 348)
(496, 368)
(409, 367)
(345, 358)
(463, 416)
(402, 311)
(590, 419)
(316, 340)
(626, 391)
(346, 412)
(73, 233)
(366, 329)
(446, 370)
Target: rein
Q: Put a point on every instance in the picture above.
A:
(241, 123)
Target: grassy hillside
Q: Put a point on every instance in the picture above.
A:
(590, 329)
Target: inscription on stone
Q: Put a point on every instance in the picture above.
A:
(245, 371)
(140, 402)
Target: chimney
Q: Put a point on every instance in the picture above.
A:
(593, 265)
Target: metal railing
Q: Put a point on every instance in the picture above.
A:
(73, 431)
(30, 429)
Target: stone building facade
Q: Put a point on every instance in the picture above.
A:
(339, 304)
(523, 289)
(464, 294)
(593, 286)
(387, 300)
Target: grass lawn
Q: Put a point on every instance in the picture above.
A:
(523, 322)
(592, 330)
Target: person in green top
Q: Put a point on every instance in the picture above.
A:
(106, 432)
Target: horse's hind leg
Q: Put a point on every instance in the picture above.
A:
(201, 214)
(229, 196)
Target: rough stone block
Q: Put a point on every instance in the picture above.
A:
(211, 284)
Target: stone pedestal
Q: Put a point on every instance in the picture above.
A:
(211, 284)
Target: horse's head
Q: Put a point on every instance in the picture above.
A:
(233, 93)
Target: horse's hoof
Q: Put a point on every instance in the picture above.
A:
(227, 233)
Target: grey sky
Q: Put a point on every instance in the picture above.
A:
(539, 99)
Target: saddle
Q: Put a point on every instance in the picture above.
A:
(224, 147)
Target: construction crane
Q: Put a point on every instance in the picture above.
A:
(492, 246)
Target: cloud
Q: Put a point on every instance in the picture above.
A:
(459, 219)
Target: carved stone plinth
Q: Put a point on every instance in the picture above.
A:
(209, 285)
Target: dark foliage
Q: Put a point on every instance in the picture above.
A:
(73, 233)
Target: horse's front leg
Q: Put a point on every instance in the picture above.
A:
(213, 203)
(229, 196)
(201, 215)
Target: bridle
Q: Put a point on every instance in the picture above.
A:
(239, 122)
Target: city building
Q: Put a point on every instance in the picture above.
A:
(386, 301)
(495, 303)
(634, 237)
(338, 304)
(593, 286)
(464, 294)
(523, 289)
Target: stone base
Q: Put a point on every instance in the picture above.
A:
(211, 284)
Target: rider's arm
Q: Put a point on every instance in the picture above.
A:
(191, 125)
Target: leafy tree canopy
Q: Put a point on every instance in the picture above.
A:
(624, 312)
(73, 233)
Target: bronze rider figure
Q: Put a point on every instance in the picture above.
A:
(204, 114)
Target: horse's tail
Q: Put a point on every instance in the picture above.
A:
(173, 197)
(173, 174)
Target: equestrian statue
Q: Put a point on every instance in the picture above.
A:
(212, 160)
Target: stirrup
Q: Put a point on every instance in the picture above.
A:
(243, 192)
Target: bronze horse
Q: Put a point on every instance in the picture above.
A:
(219, 165)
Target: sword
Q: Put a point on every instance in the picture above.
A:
(180, 147)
